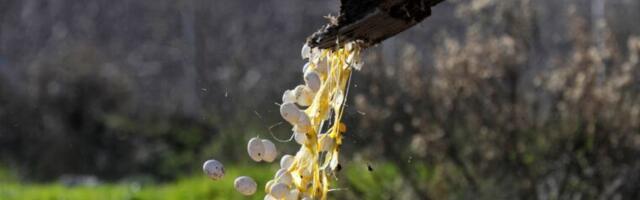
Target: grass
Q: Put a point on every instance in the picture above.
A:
(197, 187)
(381, 183)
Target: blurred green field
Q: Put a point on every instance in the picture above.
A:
(196, 187)
(355, 181)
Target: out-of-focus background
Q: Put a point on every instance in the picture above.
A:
(486, 99)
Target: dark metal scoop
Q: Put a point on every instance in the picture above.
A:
(370, 21)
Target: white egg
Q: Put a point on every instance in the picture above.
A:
(293, 195)
(283, 176)
(279, 190)
(348, 46)
(270, 151)
(279, 173)
(213, 169)
(306, 51)
(312, 79)
(300, 138)
(315, 55)
(288, 97)
(304, 124)
(267, 187)
(286, 161)
(304, 95)
(325, 143)
(290, 112)
(245, 185)
(306, 68)
(269, 197)
(255, 148)
(323, 67)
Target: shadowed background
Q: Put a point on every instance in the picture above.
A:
(484, 99)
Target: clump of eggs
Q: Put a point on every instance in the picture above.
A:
(314, 110)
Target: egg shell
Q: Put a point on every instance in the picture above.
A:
(255, 148)
(267, 187)
(312, 80)
(304, 123)
(305, 52)
(290, 112)
(214, 169)
(293, 195)
(300, 138)
(283, 176)
(245, 185)
(279, 190)
(270, 151)
(288, 97)
(304, 95)
(286, 161)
